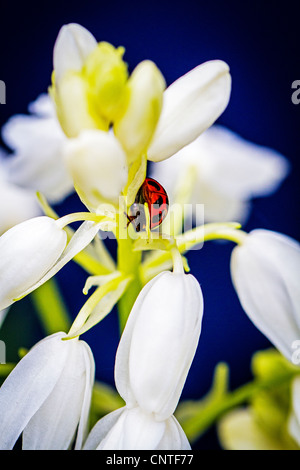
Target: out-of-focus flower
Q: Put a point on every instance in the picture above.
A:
(153, 359)
(241, 430)
(47, 396)
(271, 419)
(37, 141)
(222, 171)
(294, 421)
(17, 203)
(265, 269)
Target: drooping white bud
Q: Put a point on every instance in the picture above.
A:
(265, 271)
(27, 251)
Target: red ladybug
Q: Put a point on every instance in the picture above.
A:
(152, 193)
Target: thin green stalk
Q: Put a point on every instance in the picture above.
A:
(197, 417)
(128, 262)
(51, 308)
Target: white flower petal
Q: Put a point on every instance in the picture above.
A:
(265, 272)
(18, 205)
(86, 402)
(28, 250)
(174, 437)
(101, 429)
(132, 429)
(235, 166)
(136, 126)
(3, 314)
(223, 172)
(29, 385)
(159, 342)
(191, 104)
(54, 424)
(98, 166)
(73, 44)
(42, 106)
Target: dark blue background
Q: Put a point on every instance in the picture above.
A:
(260, 42)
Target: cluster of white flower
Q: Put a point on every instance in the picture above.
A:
(94, 133)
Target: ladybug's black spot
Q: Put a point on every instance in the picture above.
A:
(159, 201)
(154, 184)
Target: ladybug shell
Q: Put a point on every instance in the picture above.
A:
(152, 193)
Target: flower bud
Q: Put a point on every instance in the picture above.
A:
(27, 251)
(265, 272)
(159, 342)
(135, 127)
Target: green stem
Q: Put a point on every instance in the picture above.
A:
(196, 417)
(51, 308)
(128, 262)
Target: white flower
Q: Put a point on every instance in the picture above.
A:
(265, 271)
(153, 359)
(222, 171)
(190, 105)
(17, 203)
(246, 429)
(47, 396)
(37, 142)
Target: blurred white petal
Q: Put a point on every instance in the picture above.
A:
(236, 166)
(3, 314)
(37, 142)
(228, 171)
(159, 342)
(191, 105)
(73, 44)
(42, 106)
(265, 272)
(17, 205)
(238, 430)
